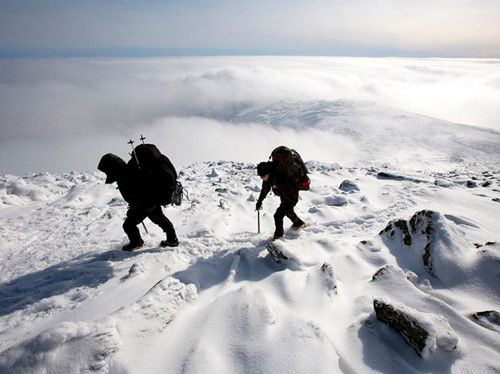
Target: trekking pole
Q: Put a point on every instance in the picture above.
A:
(258, 221)
(142, 138)
(131, 142)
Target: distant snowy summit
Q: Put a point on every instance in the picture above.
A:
(383, 133)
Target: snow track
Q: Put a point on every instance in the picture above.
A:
(71, 301)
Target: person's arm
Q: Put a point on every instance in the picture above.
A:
(266, 187)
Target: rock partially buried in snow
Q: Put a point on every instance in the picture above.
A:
(419, 229)
(470, 184)
(424, 332)
(136, 269)
(443, 183)
(489, 319)
(399, 226)
(335, 200)
(348, 186)
(213, 174)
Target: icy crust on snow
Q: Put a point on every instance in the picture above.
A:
(71, 301)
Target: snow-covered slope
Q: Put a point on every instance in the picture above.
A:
(370, 132)
(425, 243)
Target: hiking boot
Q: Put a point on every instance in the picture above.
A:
(298, 225)
(170, 243)
(133, 245)
(278, 234)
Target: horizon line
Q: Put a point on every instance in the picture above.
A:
(67, 53)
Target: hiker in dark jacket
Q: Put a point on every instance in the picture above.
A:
(286, 190)
(139, 192)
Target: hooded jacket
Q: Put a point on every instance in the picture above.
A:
(132, 184)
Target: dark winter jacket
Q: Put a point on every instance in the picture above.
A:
(281, 186)
(133, 185)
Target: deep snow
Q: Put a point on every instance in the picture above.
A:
(71, 301)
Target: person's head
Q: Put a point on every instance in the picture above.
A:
(113, 166)
(264, 169)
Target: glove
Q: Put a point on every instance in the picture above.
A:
(258, 206)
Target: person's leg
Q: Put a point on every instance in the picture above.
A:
(285, 209)
(278, 222)
(288, 209)
(134, 217)
(157, 217)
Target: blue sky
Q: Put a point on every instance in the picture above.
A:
(461, 28)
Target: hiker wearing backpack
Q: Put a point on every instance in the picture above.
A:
(146, 182)
(285, 174)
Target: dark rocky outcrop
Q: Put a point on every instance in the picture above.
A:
(470, 184)
(420, 224)
(400, 224)
(489, 319)
(406, 325)
(380, 273)
(385, 175)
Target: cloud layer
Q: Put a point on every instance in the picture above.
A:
(53, 107)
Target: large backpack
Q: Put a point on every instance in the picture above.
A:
(158, 172)
(289, 164)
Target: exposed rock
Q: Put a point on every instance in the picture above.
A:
(213, 174)
(489, 319)
(470, 184)
(402, 227)
(335, 200)
(385, 175)
(328, 278)
(380, 273)
(485, 184)
(421, 223)
(406, 325)
(477, 245)
(443, 183)
(424, 332)
(348, 186)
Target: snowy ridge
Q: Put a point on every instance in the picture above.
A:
(71, 301)
(371, 131)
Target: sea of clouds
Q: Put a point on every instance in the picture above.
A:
(63, 114)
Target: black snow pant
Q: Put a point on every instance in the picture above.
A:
(285, 209)
(136, 215)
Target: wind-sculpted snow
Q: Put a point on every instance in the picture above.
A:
(425, 244)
